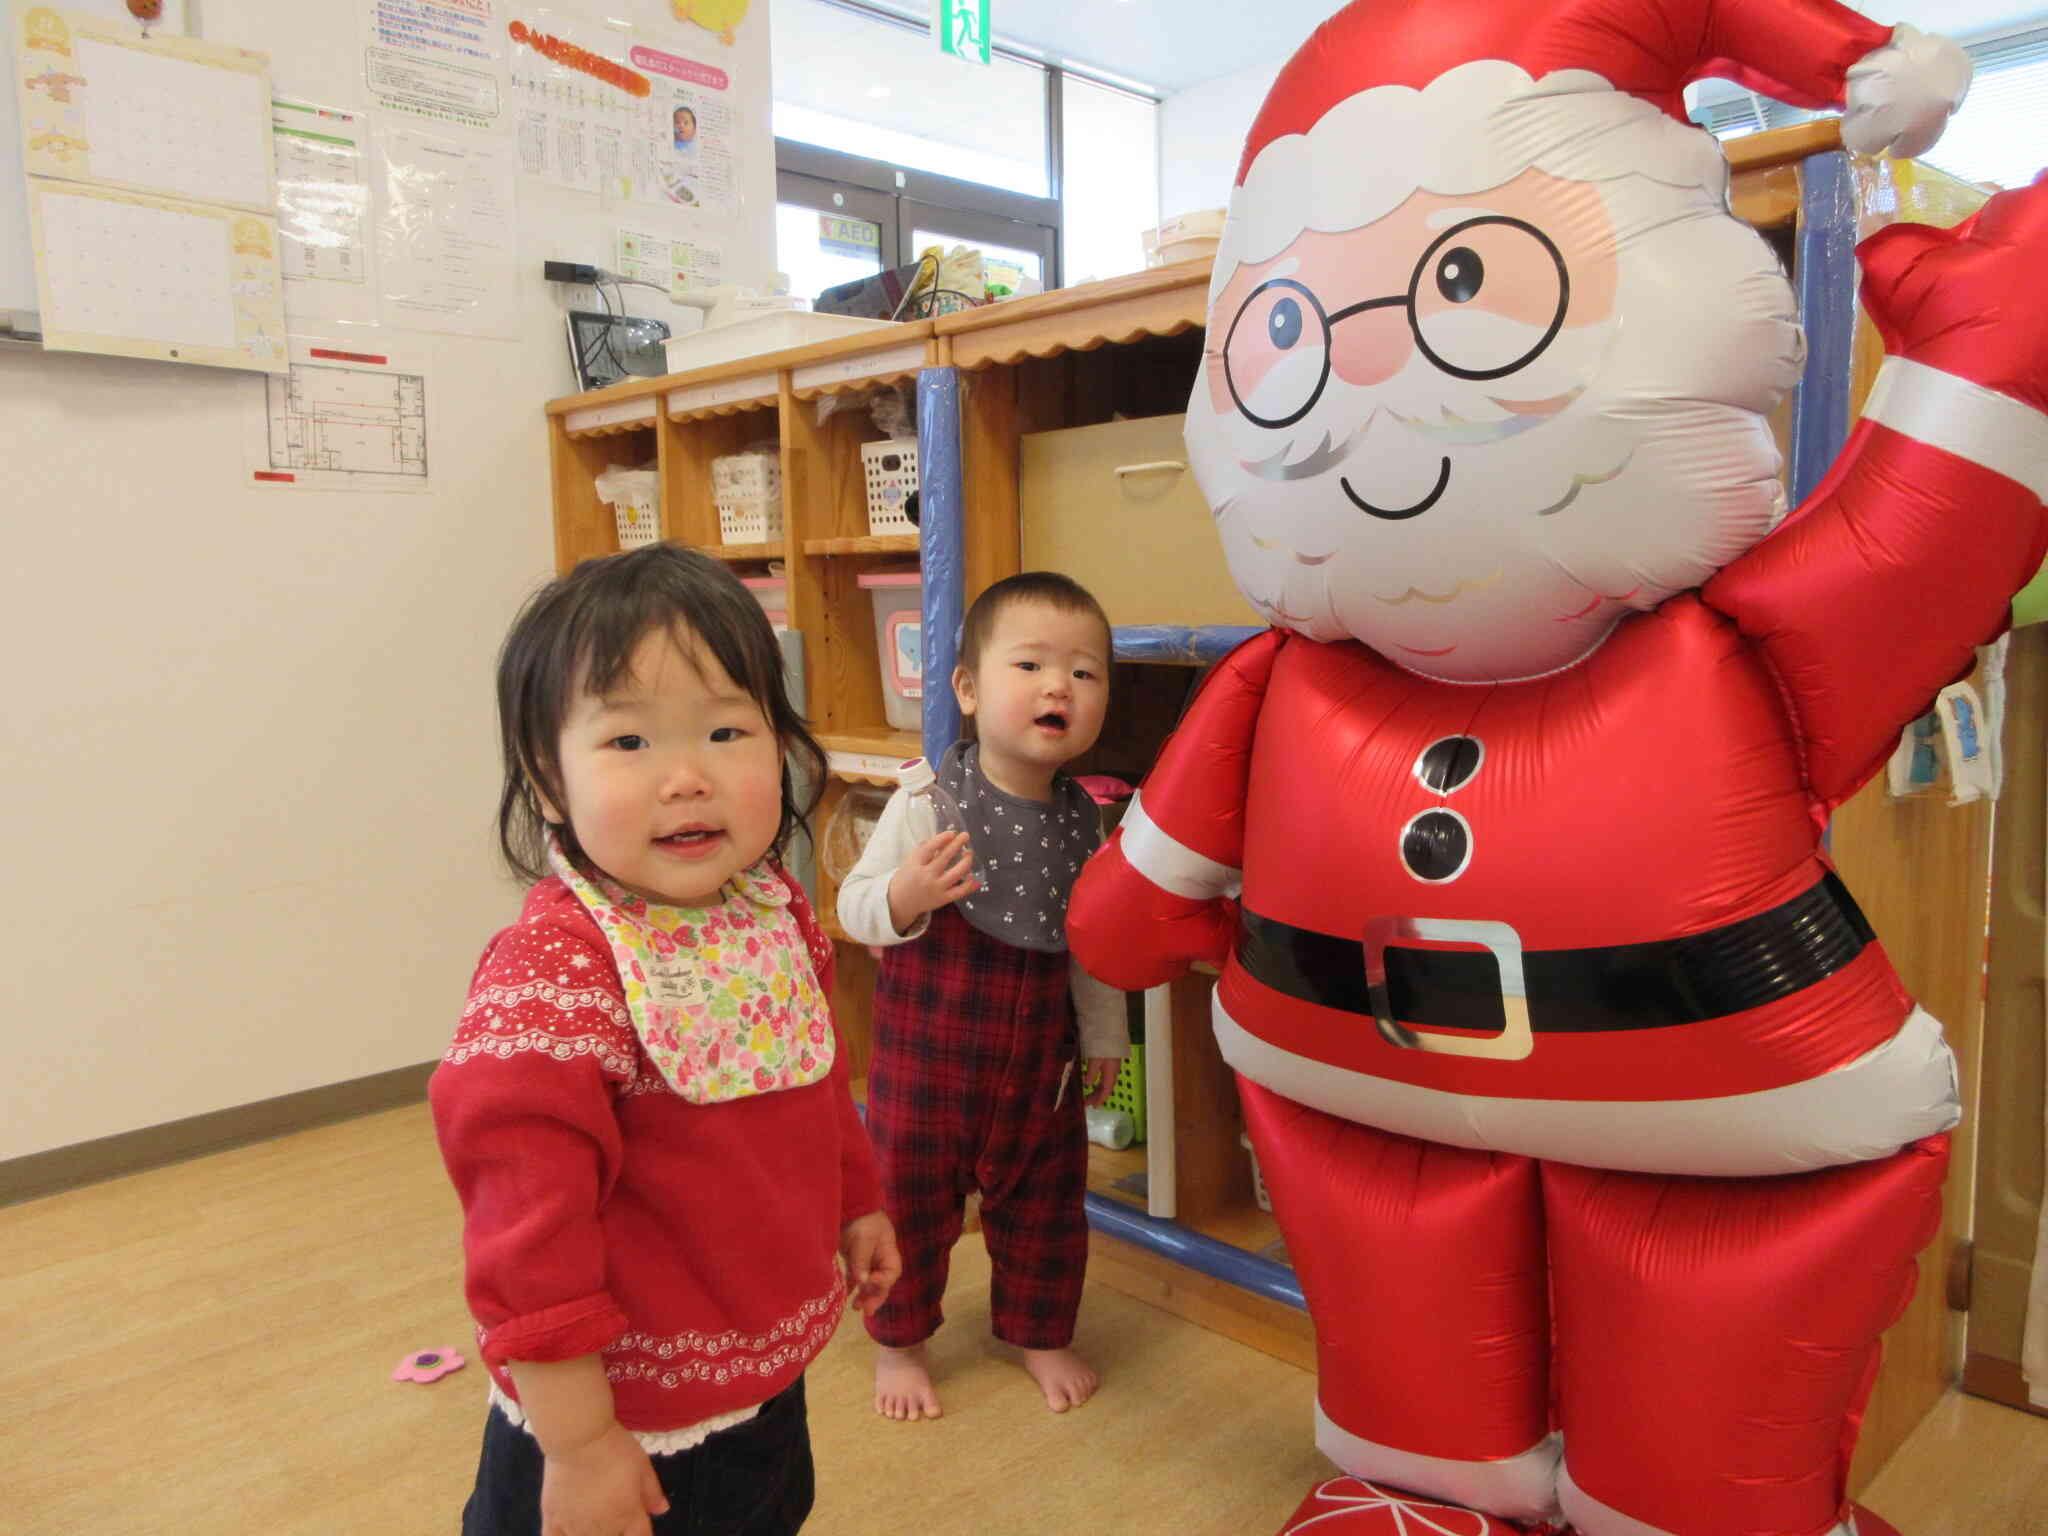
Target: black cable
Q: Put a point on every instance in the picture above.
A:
(611, 327)
(586, 353)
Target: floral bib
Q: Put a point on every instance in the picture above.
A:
(723, 997)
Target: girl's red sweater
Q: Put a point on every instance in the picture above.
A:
(694, 1246)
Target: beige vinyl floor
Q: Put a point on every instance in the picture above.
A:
(206, 1348)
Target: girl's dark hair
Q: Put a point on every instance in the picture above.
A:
(1048, 587)
(578, 634)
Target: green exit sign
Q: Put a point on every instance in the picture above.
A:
(962, 26)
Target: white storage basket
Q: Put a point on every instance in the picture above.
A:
(892, 475)
(747, 490)
(634, 496)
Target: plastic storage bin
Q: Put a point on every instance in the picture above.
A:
(747, 490)
(1129, 1093)
(899, 643)
(892, 475)
(634, 496)
(772, 593)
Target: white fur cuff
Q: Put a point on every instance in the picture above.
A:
(2002, 434)
(1901, 96)
(1170, 864)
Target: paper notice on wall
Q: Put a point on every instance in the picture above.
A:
(323, 212)
(684, 151)
(670, 262)
(344, 418)
(437, 59)
(445, 233)
(574, 96)
(598, 112)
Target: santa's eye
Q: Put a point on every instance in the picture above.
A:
(1285, 325)
(1487, 297)
(1459, 272)
(1276, 354)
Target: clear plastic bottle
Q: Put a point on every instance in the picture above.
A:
(932, 808)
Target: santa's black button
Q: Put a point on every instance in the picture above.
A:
(1449, 764)
(1436, 846)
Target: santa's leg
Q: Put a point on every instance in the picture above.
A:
(1717, 1339)
(1424, 1270)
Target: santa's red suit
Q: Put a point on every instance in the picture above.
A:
(1509, 965)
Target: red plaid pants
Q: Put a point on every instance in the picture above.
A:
(972, 1039)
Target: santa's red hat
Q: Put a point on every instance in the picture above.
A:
(1899, 85)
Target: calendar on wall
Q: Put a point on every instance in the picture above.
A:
(151, 192)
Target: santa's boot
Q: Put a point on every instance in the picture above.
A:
(1351, 1506)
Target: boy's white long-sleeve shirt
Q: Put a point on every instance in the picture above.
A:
(864, 914)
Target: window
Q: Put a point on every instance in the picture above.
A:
(861, 85)
(2001, 134)
(1109, 151)
(873, 122)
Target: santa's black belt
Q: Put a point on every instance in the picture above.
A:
(1725, 970)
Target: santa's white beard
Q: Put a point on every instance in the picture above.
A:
(1659, 473)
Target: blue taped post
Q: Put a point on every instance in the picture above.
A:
(1826, 283)
(942, 550)
(1262, 1277)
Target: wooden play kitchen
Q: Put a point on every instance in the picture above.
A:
(1048, 436)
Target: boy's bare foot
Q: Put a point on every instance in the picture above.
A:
(903, 1384)
(1064, 1377)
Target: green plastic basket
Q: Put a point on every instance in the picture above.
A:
(1129, 1093)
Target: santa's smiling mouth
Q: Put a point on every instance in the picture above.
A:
(1395, 514)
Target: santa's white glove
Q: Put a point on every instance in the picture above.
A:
(1902, 95)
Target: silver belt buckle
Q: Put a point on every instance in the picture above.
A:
(1515, 1042)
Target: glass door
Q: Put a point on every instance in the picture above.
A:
(1013, 251)
(829, 233)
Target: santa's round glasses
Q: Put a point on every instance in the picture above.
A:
(1283, 322)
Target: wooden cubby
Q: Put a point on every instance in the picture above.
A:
(1079, 357)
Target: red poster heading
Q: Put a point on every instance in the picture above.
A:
(681, 69)
(569, 56)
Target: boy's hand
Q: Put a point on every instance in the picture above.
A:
(603, 1487)
(873, 1264)
(939, 871)
(1102, 1071)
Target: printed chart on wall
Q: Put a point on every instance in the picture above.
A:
(343, 419)
(639, 107)
(446, 238)
(323, 213)
(150, 193)
(674, 263)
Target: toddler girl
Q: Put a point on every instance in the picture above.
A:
(666, 1192)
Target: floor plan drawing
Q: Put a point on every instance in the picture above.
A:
(329, 418)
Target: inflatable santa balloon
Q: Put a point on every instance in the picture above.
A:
(1601, 1131)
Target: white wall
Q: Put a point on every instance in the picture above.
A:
(1201, 134)
(247, 745)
